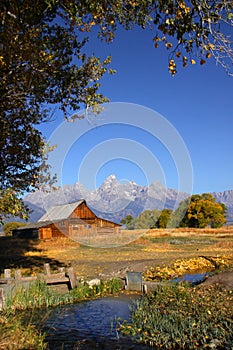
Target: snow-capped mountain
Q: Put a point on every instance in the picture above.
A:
(226, 197)
(114, 200)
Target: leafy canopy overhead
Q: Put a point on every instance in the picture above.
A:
(190, 30)
(43, 63)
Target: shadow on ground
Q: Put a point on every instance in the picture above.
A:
(13, 255)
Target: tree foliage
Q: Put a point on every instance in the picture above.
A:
(128, 222)
(43, 63)
(146, 220)
(190, 30)
(164, 218)
(10, 204)
(198, 211)
(202, 211)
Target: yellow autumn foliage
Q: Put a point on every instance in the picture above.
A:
(183, 266)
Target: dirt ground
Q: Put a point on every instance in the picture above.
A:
(151, 249)
(224, 279)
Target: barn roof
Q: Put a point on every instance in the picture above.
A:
(34, 225)
(60, 212)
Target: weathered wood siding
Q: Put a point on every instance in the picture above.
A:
(82, 230)
(60, 229)
(45, 232)
(54, 230)
(105, 223)
(105, 230)
(84, 213)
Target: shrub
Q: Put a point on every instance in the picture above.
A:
(178, 317)
(10, 226)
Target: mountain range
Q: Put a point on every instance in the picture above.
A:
(114, 200)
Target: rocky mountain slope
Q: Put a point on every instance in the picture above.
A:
(114, 200)
(226, 197)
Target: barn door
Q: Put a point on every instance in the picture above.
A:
(45, 232)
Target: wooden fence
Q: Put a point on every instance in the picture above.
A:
(62, 277)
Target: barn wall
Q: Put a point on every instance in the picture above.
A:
(82, 231)
(60, 229)
(106, 230)
(45, 232)
(26, 233)
(84, 213)
(105, 223)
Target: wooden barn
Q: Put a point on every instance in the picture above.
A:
(73, 219)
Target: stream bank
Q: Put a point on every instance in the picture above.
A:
(93, 324)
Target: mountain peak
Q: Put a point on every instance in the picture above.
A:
(111, 179)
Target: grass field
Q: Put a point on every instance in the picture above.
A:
(158, 254)
(153, 248)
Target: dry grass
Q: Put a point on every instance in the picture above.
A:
(13, 335)
(180, 250)
(152, 248)
(226, 230)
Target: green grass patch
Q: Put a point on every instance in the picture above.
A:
(38, 294)
(18, 332)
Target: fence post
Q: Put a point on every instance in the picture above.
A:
(18, 275)
(7, 273)
(2, 299)
(61, 269)
(47, 269)
(72, 277)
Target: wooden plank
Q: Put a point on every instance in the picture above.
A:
(55, 280)
(56, 275)
(51, 279)
(28, 279)
(6, 280)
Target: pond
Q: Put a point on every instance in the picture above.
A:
(90, 325)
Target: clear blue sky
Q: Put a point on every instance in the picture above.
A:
(197, 103)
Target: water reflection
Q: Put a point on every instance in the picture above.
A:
(193, 279)
(90, 325)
